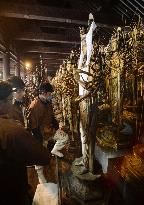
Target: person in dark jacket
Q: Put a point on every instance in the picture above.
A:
(18, 149)
(17, 111)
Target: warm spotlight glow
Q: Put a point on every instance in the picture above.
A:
(28, 65)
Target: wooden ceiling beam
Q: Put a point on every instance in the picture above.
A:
(52, 24)
(43, 13)
(45, 56)
(56, 52)
(56, 61)
(53, 14)
(40, 49)
(35, 44)
(48, 60)
(53, 59)
(45, 37)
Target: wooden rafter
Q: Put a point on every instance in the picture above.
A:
(44, 37)
(53, 14)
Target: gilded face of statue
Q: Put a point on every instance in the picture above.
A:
(69, 66)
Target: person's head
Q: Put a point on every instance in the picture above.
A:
(19, 86)
(45, 91)
(5, 96)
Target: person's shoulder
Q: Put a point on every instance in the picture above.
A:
(12, 133)
(17, 129)
(11, 125)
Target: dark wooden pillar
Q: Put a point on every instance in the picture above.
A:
(6, 65)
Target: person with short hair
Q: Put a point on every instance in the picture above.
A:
(42, 122)
(17, 111)
(41, 114)
(18, 149)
